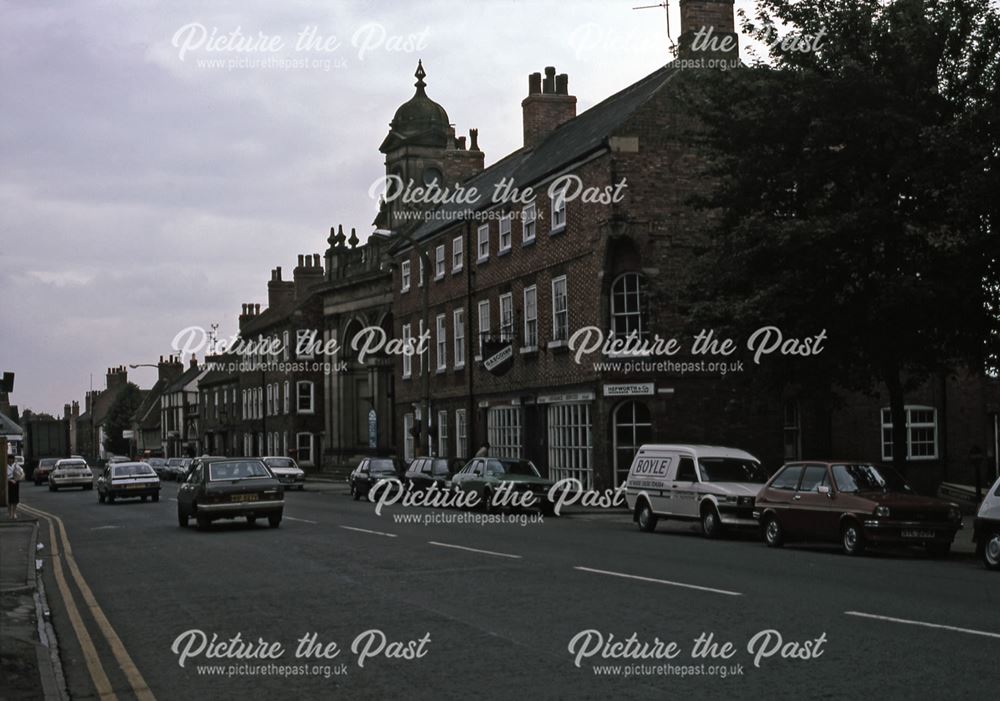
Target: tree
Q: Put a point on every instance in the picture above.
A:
(120, 419)
(857, 189)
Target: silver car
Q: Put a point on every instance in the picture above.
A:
(987, 528)
(287, 472)
(71, 472)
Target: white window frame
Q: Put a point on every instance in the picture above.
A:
(529, 223)
(571, 442)
(507, 316)
(558, 205)
(458, 322)
(300, 334)
(911, 427)
(530, 314)
(442, 431)
(420, 270)
(621, 293)
(483, 242)
(285, 351)
(425, 361)
(311, 448)
(288, 397)
(404, 276)
(461, 437)
(439, 266)
(299, 396)
(408, 440)
(503, 429)
(457, 254)
(270, 400)
(407, 357)
(484, 323)
(506, 240)
(441, 343)
(557, 335)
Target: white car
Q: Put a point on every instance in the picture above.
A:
(71, 472)
(987, 528)
(714, 485)
(287, 472)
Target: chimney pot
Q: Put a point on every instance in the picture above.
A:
(549, 85)
(277, 272)
(474, 138)
(256, 309)
(534, 83)
(301, 260)
(562, 84)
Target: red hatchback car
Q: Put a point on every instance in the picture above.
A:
(854, 504)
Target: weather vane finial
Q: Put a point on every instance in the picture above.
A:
(420, 74)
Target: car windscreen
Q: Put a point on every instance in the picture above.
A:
(244, 469)
(173, 462)
(71, 464)
(141, 470)
(156, 461)
(520, 467)
(731, 470)
(47, 462)
(868, 478)
(382, 467)
(280, 462)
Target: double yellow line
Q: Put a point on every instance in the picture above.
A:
(97, 674)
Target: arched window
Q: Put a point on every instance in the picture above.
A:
(627, 306)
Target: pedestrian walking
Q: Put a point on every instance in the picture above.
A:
(15, 474)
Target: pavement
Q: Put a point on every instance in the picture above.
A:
(511, 607)
(29, 662)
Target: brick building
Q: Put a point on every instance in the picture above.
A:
(500, 287)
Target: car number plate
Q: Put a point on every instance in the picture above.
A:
(136, 486)
(909, 533)
(244, 497)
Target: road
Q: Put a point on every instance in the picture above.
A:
(490, 610)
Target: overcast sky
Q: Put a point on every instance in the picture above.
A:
(142, 191)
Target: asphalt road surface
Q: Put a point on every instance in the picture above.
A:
(496, 610)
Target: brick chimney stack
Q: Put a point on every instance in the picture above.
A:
(307, 273)
(116, 377)
(702, 15)
(547, 105)
(169, 368)
(279, 292)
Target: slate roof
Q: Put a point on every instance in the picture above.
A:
(571, 141)
(148, 413)
(178, 384)
(8, 427)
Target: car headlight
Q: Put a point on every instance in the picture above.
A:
(882, 511)
(730, 499)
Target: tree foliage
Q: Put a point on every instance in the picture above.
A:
(120, 419)
(858, 189)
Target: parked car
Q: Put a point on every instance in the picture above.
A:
(71, 472)
(230, 488)
(854, 504)
(372, 470)
(159, 466)
(127, 480)
(987, 528)
(485, 475)
(287, 471)
(711, 484)
(178, 468)
(116, 458)
(43, 469)
(424, 472)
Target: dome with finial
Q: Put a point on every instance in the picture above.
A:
(419, 121)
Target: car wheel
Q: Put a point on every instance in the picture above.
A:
(711, 524)
(38, 483)
(991, 551)
(156, 497)
(487, 502)
(53, 488)
(111, 497)
(252, 520)
(354, 493)
(274, 520)
(182, 518)
(646, 518)
(774, 534)
(143, 498)
(852, 539)
(100, 497)
(203, 522)
(301, 487)
(548, 508)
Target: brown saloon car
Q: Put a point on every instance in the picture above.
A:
(854, 504)
(230, 488)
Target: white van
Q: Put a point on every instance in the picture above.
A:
(714, 485)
